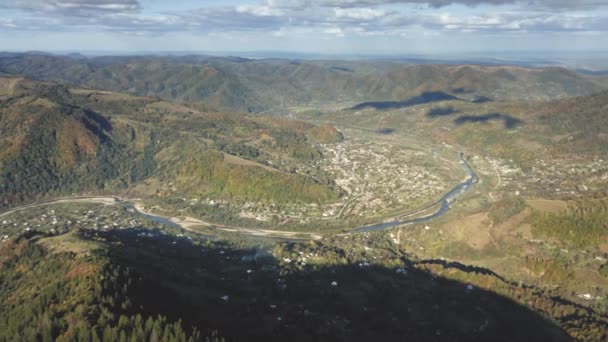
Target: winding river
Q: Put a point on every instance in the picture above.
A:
(444, 205)
(444, 202)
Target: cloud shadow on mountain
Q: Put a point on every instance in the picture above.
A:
(426, 97)
(509, 121)
(441, 111)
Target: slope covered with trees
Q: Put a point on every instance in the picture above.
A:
(141, 284)
(260, 85)
(583, 224)
(57, 140)
(62, 297)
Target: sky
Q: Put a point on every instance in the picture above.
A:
(306, 26)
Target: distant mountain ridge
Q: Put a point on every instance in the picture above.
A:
(259, 85)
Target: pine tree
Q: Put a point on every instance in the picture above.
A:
(109, 334)
(123, 336)
(94, 336)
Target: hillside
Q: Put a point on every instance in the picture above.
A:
(255, 214)
(583, 118)
(58, 140)
(272, 84)
(521, 130)
(538, 213)
(48, 144)
(65, 298)
(85, 283)
(501, 83)
(563, 129)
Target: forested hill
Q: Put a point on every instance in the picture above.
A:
(145, 284)
(259, 85)
(60, 140)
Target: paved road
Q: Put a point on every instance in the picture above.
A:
(188, 223)
(89, 199)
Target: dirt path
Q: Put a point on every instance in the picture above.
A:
(490, 231)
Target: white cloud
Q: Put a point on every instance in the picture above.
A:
(277, 17)
(74, 7)
(260, 10)
(336, 31)
(517, 21)
(7, 23)
(359, 13)
(546, 4)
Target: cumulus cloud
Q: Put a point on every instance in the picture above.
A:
(338, 32)
(499, 22)
(556, 4)
(359, 13)
(518, 22)
(332, 17)
(75, 7)
(7, 23)
(260, 10)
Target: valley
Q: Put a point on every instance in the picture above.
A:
(197, 225)
(453, 198)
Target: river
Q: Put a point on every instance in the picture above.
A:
(444, 202)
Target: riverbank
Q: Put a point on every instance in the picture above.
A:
(444, 203)
(198, 226)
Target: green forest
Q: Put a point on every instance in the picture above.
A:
(57, 141)
(63, 297)
(583, 224)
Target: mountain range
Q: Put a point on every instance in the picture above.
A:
(261, 85)
(182, 134)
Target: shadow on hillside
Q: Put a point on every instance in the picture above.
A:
(97, 124)
(477, 99)
(339, 68)
(462, 267)
(441, 111)
(386, 131)
(482, 99)
(485, 271)
(462, 90)
(245, 295)
(509, 122)
(426, 97)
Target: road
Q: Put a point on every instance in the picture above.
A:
(89, 199)
(189, 223)
(186, 223)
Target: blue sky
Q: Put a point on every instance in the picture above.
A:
(314, 26)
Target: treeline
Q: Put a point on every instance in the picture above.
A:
(583, 119)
